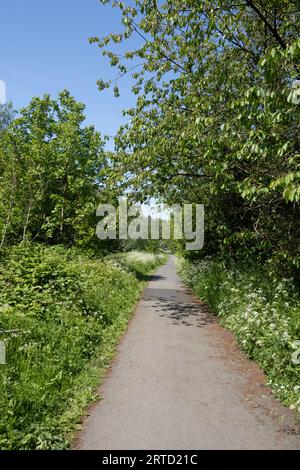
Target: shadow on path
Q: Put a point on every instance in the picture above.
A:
(179, 307)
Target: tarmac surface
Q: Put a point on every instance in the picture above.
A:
(180, 382)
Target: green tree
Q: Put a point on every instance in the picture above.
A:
(216, 119)
(50, 179)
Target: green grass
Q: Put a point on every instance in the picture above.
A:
(61, 315)
(262, 311)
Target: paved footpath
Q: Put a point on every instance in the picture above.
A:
(180, 382)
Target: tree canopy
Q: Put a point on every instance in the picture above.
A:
(216, 119)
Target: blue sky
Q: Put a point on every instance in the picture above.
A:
(44, 48)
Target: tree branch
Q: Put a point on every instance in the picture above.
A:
(273, 30)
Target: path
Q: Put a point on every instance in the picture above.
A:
(180, 382)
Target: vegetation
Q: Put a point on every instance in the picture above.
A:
(61, 314)
(216, 122)
(138, 263)
(63, 306)
(261, 310)
(216, 119)
(50, 174)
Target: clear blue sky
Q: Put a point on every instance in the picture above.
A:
(44, 48)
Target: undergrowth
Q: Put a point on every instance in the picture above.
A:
(61, 314)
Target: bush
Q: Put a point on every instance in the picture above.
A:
(60, 316)
(263, 312)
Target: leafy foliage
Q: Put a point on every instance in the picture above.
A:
(50, 174)
(216, 122)
(216, 119)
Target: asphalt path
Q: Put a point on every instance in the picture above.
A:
(179, 381)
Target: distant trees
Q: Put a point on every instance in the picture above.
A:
(50, 166)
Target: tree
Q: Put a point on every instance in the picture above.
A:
(215, 120)
(50, 179)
